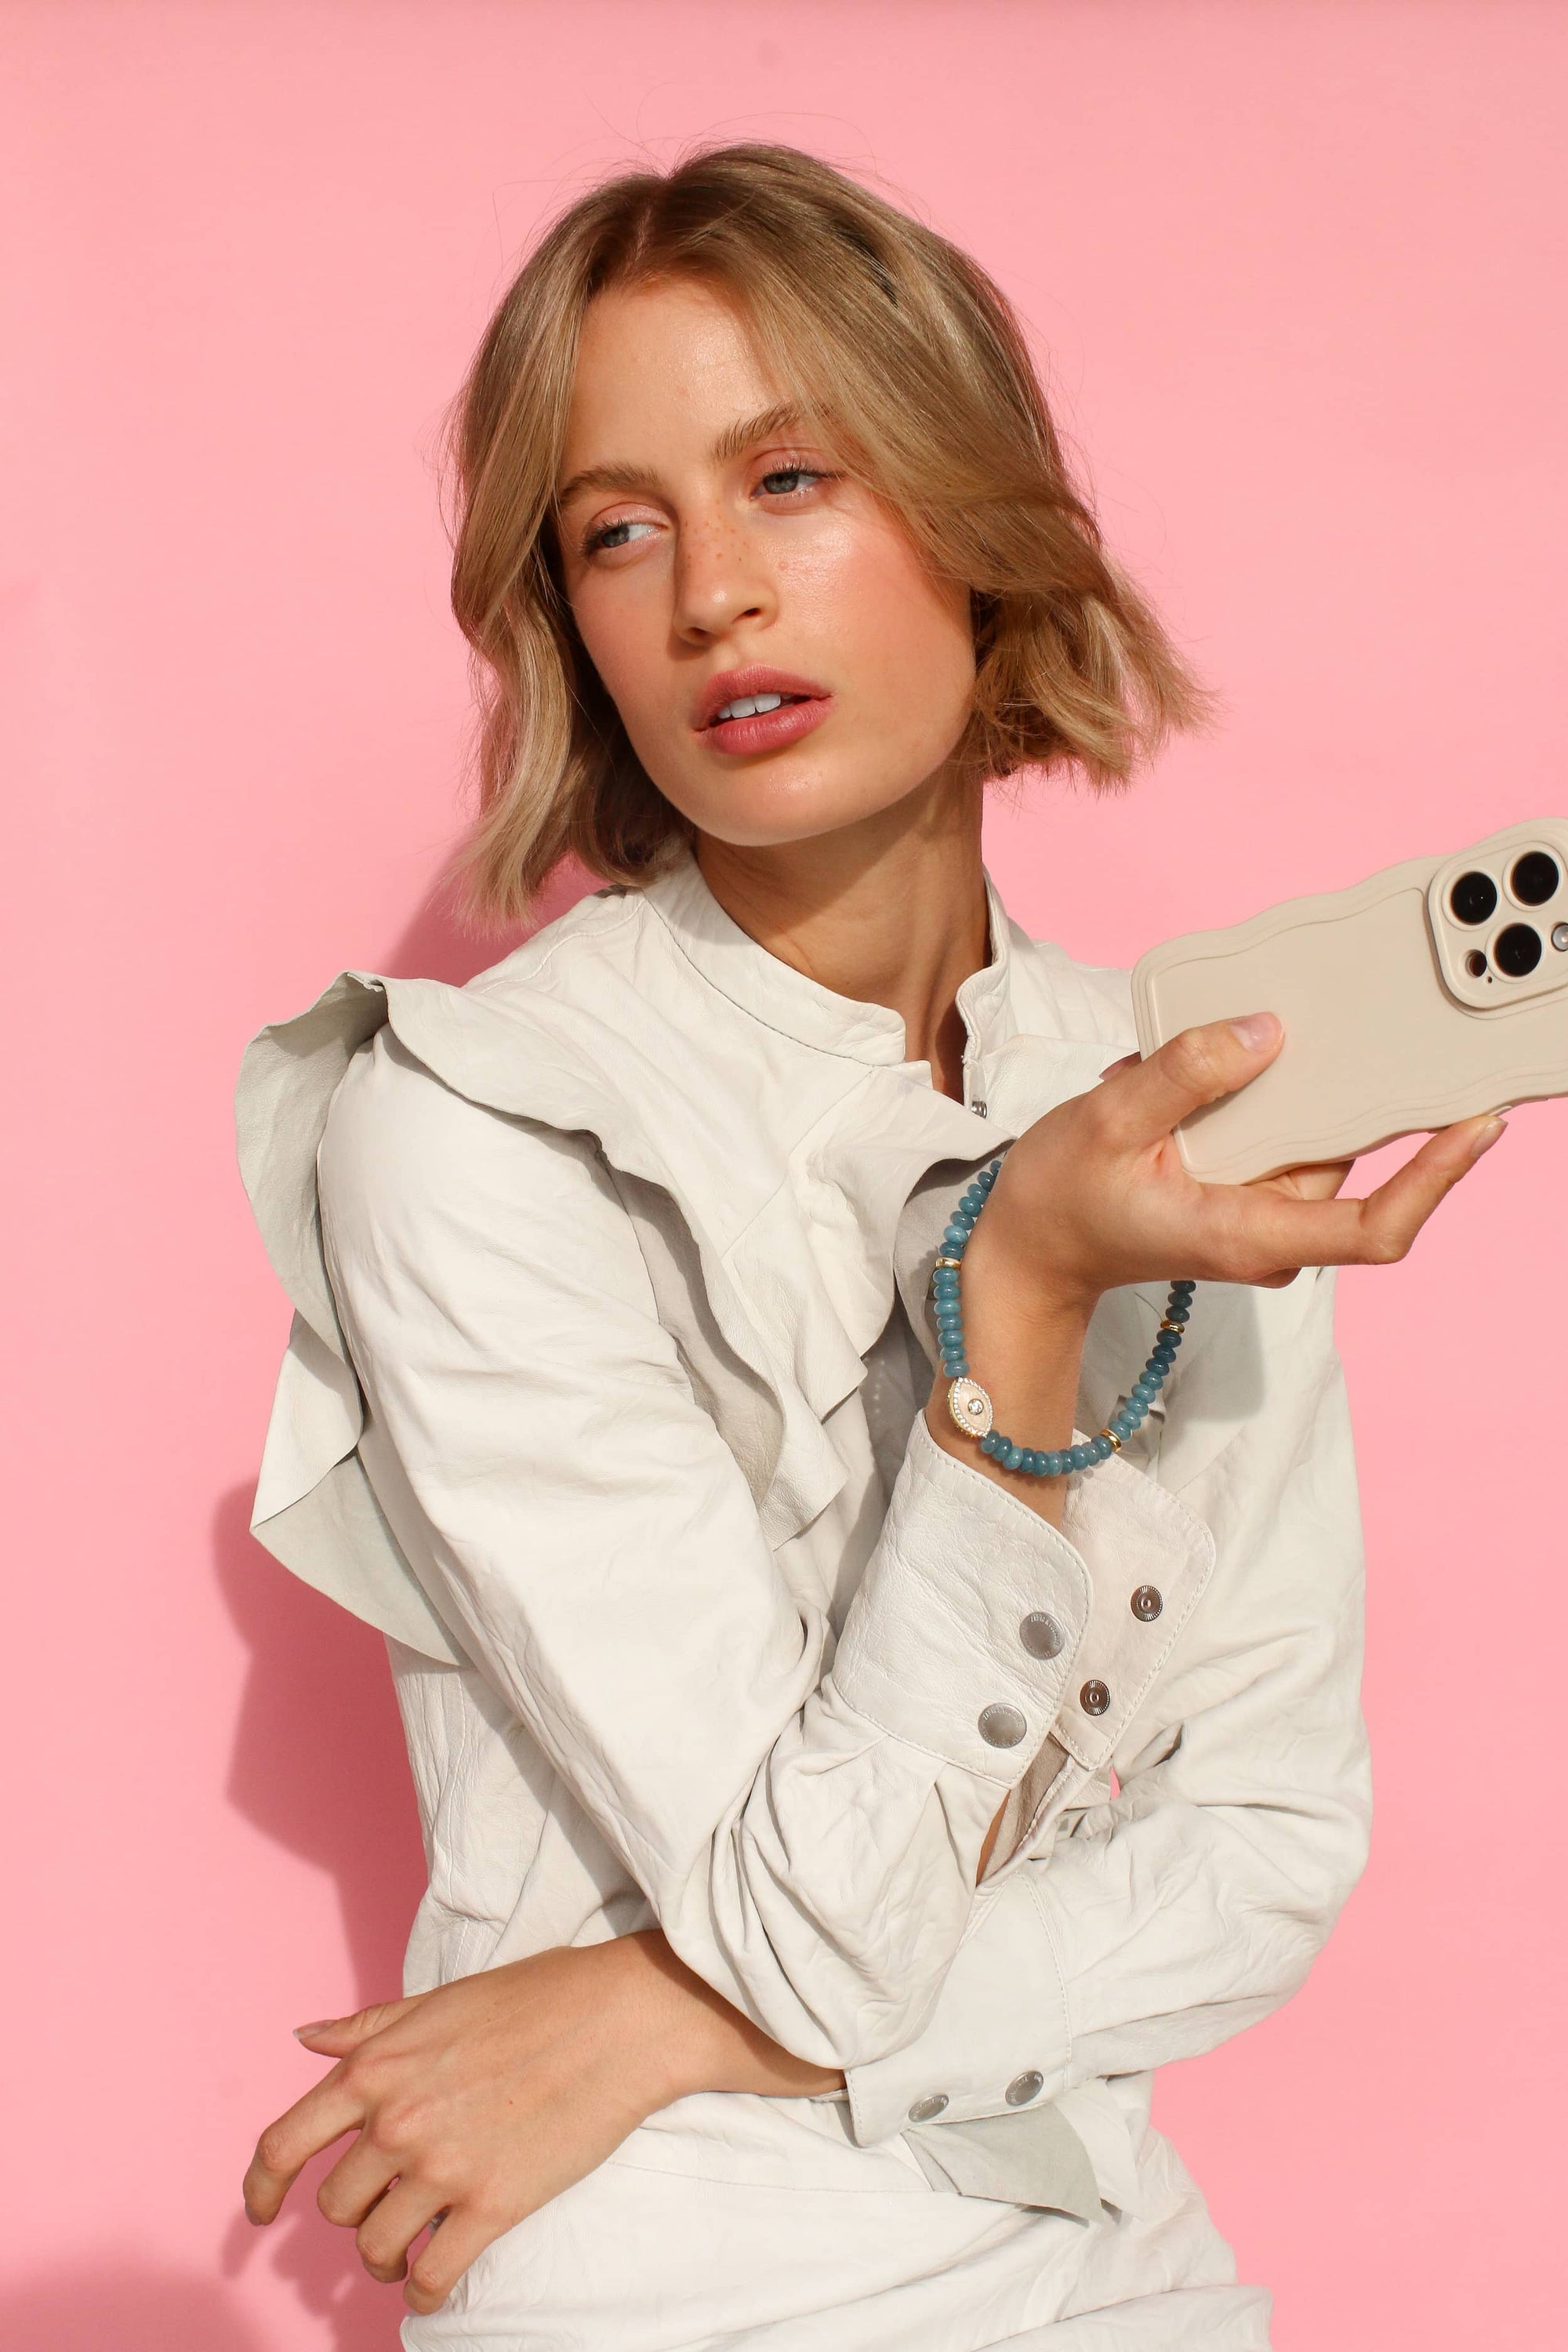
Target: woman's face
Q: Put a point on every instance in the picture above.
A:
(714, 558)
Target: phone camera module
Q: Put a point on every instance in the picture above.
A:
(1474, 895)
(1517, 950)
(1535, 878)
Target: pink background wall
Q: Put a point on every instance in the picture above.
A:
(1300, 271)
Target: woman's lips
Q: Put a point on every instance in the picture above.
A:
(767, 731)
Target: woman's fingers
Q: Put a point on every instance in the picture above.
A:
(1249, 1233)
(334, 2037)
(1396, 1212)
(390, 2228)
(1318, 1181)
(461, 2239)
(1191, 1070)
(313, 2122)
(361, 2177)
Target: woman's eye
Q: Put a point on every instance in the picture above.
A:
(615, 534)
(785, 481)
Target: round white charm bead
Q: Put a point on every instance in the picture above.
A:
(970, 1407)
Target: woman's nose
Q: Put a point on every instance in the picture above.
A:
(719, 581)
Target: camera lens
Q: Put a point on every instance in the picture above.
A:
(1474, 897)
(1476, 964)
(1534, 879)
(1517, 951)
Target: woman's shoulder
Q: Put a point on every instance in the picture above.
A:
(411, 1171)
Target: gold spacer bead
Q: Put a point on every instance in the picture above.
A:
(1114, 1441)
(946, 1261)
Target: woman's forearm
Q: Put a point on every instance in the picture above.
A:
(706, 2044)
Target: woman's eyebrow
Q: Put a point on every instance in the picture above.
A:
(736, 439)
(733, 442)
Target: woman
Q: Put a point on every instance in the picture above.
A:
(831, 1822)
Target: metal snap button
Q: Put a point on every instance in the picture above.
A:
(1094, 1697)
(1002, 1726)
(1025, 2087)
(1147, 1603)
(1040, 1634)
(926, 2111)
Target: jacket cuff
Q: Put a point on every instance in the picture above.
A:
(998, 2041)
(947, 1644)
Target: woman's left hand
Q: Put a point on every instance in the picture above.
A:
(476, 2104)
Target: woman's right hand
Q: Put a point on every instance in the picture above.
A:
(1095, 1196)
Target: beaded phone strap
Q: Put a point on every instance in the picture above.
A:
(967, 1401)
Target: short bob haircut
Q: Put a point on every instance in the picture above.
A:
(900, 349)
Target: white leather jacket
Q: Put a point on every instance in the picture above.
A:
(603, 1402)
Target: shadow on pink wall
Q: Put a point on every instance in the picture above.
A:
(319, 1766)
(128, 2308)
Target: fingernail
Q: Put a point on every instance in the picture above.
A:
(319, 2026)
(1489, 1136)
(1257, 1029)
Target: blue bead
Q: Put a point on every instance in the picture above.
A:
(1183, 1289)
(1142, 1391)
(988, 1442)
(1104, 1449)
(1050, 1465)
(1013, 1457)
(953, 1241)
(1119, 1425)
(1176, 1314)
(950, 1318)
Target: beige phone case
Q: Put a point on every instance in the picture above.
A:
(1404, 1000)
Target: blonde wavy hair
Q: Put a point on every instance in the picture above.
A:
(903, 349)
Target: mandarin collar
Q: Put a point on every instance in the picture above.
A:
(776, 993)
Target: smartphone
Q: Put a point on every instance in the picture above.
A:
(1430, 992)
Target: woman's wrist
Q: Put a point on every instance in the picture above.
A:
(691, 2040)
(1024, 1339)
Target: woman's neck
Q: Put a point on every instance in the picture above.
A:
(888, 911)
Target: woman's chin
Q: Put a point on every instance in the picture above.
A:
(771, 814)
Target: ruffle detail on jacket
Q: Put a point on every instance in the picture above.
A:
(771, 1323)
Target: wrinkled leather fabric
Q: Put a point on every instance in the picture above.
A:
(589, 1261)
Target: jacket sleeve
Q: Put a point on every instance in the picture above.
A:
(1192, 1903)
(806, 1833)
